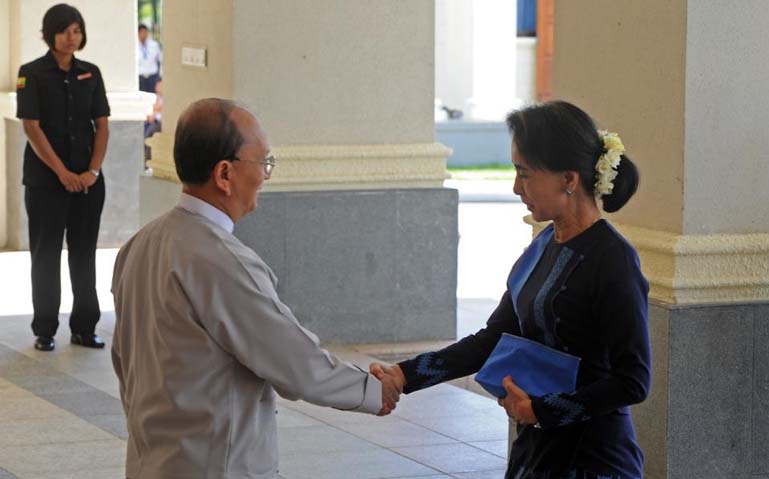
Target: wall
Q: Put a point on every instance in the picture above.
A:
(5, 46)
(727, 100)
(205, 23)
(343, 88)
(6, 84)
(624, 64)
(353, 97)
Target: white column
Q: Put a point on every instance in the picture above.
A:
(454, 52)
(494, 59)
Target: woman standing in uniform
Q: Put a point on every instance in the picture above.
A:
(63, 106)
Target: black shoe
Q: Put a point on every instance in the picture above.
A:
(87, 340)
(44, 343)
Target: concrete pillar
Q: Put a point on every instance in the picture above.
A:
(685, 84)
(454, 52)
(355, 221)
(476, 68)
(494, 59)
(111, 44)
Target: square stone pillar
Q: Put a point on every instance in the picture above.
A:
(354, 221)
(685, 85)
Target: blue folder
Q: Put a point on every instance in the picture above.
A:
(534, 367)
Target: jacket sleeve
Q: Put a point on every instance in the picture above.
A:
(241, 311)
(27, 95)
(464, 357)
(622, 327)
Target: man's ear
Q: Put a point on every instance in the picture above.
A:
(221, 174)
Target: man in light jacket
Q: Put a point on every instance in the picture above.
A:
(201, 338)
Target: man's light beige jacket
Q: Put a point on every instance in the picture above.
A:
(201, 342)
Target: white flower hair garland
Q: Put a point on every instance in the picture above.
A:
(608, 162)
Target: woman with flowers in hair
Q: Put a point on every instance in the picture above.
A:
(577, 289)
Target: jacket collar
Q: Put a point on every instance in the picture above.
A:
(588, 238)
(50, 61)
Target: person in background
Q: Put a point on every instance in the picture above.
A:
(154, 122)
(63, 107)
(149, 58)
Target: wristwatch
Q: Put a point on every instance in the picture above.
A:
(95, 173)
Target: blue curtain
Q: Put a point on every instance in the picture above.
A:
(527, 18)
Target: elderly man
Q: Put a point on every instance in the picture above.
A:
(201, 337)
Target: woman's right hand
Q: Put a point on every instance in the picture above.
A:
(71, 181)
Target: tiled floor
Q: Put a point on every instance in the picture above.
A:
(60, 411)
(60, 414)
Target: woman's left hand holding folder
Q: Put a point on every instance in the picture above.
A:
(517, 403)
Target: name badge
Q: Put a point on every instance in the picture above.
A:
(84, 76)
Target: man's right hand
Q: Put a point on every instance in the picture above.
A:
(71, 181)
(392, 380)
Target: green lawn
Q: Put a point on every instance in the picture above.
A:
(483, 172)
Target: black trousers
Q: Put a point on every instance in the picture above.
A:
(52, 213)
(148, 83)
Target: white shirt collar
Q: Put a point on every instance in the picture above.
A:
(207, 210)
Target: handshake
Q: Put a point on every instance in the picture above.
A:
(517, 403)
(392, 380)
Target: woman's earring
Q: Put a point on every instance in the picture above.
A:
(568, 192)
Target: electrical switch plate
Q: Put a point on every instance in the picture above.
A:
(194, 57)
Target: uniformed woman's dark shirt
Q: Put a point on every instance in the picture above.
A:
(66, 104)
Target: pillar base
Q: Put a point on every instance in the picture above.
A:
(707, 413)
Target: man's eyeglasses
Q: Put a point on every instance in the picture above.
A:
(268, 164)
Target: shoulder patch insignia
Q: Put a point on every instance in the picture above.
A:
(21, 82)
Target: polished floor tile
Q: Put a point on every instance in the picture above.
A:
(51, 430)
(23, 406)
(320, 439)
(374, 464)
(62, 458)
(498, 448)
(396, 434)
(6, 474)
(495, 474)
(479, 427)
(453, 458)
